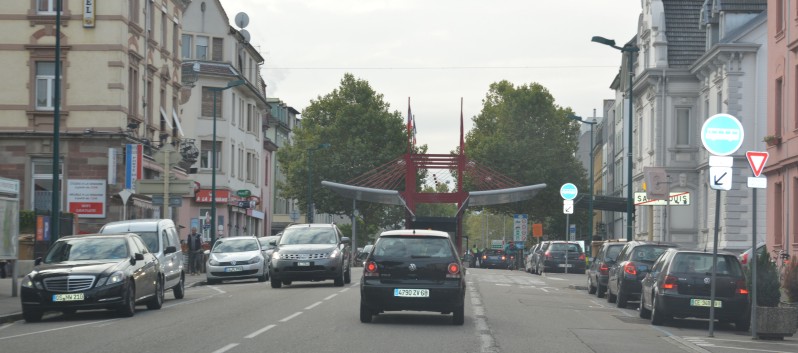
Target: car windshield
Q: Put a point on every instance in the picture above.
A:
(87, 249)
(415, 247)
(308, 235)
(613, 251)
(647, 253)
(565, 247)
(702, 264)
(235, 245)
(150, 239)
(264, 242)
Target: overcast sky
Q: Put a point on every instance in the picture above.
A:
(437, 51)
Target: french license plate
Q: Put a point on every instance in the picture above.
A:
(566, 265)
(411, 293)
(705, 303)
(303, 263)
(71, 297)
(233, 269)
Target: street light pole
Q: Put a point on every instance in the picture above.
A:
(215, 90)
(592, 177)
(309, 216)
(629, 49)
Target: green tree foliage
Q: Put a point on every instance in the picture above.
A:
(362, 134)
(524, 135)
(436, 209)
(768, 288)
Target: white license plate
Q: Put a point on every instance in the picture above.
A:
(233, 269)
(565, 265)
(303, 263)
(67, 297)
(411, 293)
(705, 303)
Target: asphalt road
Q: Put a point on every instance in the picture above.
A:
(506, 311)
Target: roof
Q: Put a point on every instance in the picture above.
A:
(686, 39)
(421, 232)
(311, 225)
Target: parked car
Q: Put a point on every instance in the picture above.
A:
(533, 260)
(632, 264)
(416, 270)
(599, 270)
(745, 257)
(311, 252)
(363, 253)
(93, 271)
(160, 236)
(494, 258)
(679, 286)
(267, 246)
(561, 255)
(235, 258)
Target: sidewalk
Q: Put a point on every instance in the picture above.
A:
(11, 308)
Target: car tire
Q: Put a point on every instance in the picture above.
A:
(338, 281)
(156, 302)
(179, 290)
(621, 299)
(642, 311)
(365, 314)
(128, 307)
(610, 298)
(458, 315)
(275, 283)
(657, 316)
(537, 269)
(591, 289)
(31, 315)
(263, 278)
(601, 291)
(348, 276)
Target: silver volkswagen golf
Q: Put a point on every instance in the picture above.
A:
(236, 258)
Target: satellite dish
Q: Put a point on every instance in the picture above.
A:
(245, 34)
(242, 20)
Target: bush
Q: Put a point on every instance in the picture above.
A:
(790, 283)
(768, 288)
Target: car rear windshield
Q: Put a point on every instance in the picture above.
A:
(235, 245)
(416, 247)
(613, 251)
(565, 247)
(494, 252)
(265, 241)
(87, 249)
(648, 253)
(702, 263)
(308, 236)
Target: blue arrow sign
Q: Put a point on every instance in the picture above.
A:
(722, 134)
(568, 191)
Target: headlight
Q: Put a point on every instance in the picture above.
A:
(275, 256)
(27, 282)
(335, 253)
(254, 260)
(212, 261)
(114, 278)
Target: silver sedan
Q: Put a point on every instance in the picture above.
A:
(236, 258)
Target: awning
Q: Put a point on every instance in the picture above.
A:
(501, 196)
(166, 119)
(387, 197)
(177, 123)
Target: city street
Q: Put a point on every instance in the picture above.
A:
(506, 311)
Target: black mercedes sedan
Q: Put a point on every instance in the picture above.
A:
(93, 271)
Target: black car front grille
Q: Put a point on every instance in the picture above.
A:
(69, 283)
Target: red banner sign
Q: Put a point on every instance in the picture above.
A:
(204, 196)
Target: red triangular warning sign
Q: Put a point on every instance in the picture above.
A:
(757, 161)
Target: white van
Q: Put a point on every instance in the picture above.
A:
(162, 239)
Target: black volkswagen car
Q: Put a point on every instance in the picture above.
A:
(311, 252)
(599, 270)
(417, 270)
(633, 263)
(93, 271)
(679, 285)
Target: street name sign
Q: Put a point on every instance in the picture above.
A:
(677, 199)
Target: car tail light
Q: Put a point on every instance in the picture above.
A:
(504, 257)
(671, 283)
(454, 270)
(741, 289)
(604, 269)
(744, 260)
(582, 257)
(371, 270)
(484, 257)
(630, 268)
(547, 255)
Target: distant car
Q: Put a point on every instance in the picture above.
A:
(679, 285)
(361, 256)
(599, 270)
(555, 254)
(494, 258)
(267, 246)
(745, 257)
(311, 252)
(416, 270)
(236, 258)
(93, 271)
(633, 263)
(533, 260)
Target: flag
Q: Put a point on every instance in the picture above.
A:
(414, 130)
(409, 125)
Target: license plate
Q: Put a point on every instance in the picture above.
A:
(705, 303)
(411, 293)
(566, 265)
(67, 297)
(233, 269)
(303, 263)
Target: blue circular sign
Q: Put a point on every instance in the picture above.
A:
(568, 191)
(722, 134)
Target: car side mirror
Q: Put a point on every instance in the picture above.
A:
(273, 242)
(170, 249)
(38, 261)
(206, 252)
(139, 256)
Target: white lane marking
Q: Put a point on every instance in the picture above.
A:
(312, 305)
(258, 332)
(331, 296)
(291, 316)
(192, 301)
(503, 284)
(741, 341)
(3, 327)
(226, 348)
(355, 284)
(343, 290)
(597, 303)
(483, 331)
(217, 289)
(56, 329)
(556, 278)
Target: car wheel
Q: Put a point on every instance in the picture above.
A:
(348, 276)
(610, 298)
(458, 315)
(591, 289)
(365, 314)
(31, 315)
(642, 311)
(339, 279)
(537, 269)
(179, 290)
(128, 308)
(275, 283)
(264, 276)
(657, 315)
(157, 300)
(600, 291)
(621, 299)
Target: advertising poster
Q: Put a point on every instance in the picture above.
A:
(86, 197)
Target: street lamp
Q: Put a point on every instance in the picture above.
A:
(592, 181)
(310, 179)
(630, 49)
(215, 90)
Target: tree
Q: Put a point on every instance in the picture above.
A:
(523, 134)
(362, 134)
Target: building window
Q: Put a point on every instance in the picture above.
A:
(43, 183)
(778, 214)
(164, 32)
(249, 117)
(218, 49)
(719, 109)
(778, 106)
(48, 7)
(186, 46)
(45, 85)
(133, 91)
(240, 164)
(207, 103)
(134, 10)
(779, 16)
(206, 154)
(683, 126)
(175, 37)
(233, 160)
(241, 114)
(202, 48)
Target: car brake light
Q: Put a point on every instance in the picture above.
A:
(630, 268)
(670, 283)
(604, 269)
(547, 254)
(371, 270)
(741, 289)
(454, 270)
(582, 257)
(744, 260)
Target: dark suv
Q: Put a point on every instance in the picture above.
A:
(311, 252)
(599, 270)
(679, 285)
(632, 264)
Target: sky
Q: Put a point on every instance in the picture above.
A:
(436, 52)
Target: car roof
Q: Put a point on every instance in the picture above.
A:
(415, 232)
(98, 235)
(311, 225)
(683, 251)
(634, 243)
